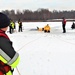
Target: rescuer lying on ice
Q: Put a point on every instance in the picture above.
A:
(9, 58)
(45, 29)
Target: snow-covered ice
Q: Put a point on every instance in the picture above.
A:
(45, 53)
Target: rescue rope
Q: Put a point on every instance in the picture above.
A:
(18, 71)
(28, 43)
(23, 47)
(57, 37)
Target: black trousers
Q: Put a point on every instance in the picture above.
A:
(64, 29)
(11, 30)
(20, 29)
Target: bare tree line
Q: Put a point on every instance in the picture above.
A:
(39, 15)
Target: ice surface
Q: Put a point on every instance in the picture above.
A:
(45, 53)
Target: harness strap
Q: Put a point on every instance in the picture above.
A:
(4, 68)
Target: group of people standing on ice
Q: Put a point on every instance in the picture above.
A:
(12, 26)
(47, 28)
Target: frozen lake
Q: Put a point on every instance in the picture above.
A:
(45, 53)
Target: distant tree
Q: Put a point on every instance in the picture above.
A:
(39, 14)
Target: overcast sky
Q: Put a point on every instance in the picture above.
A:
(36, 4)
